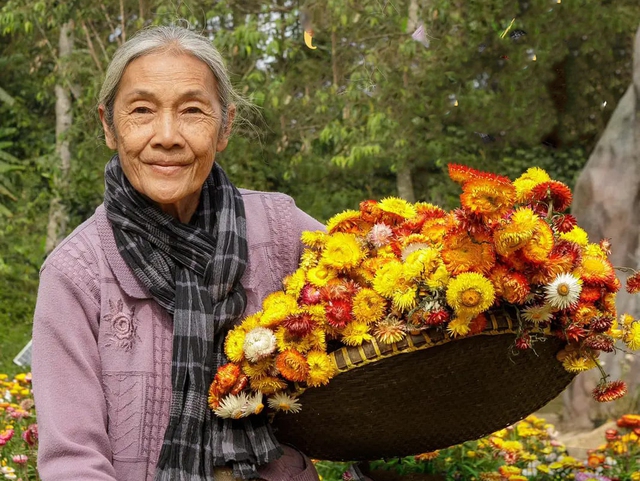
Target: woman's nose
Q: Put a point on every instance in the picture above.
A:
(167, 131)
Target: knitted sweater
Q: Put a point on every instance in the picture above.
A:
(102, 348)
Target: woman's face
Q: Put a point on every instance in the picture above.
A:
(167, 128)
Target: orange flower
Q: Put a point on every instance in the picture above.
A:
(370, 211)
(633, 283)
(609, 391)
(462, 174)
(630, 421)
(487, 198)
(515, 288)
(292, 365)
(463, 253)
(538, 248)
(596, 271)
(553, 191)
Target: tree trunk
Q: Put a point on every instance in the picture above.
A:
(58, 214)
(404, 179)
(607, 204)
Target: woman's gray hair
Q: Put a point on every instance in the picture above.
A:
(168, 38)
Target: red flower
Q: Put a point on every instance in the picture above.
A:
(553, 191)
(523, 341)
(478, 324)
(611, 434)
(600, 343)
(338, 313)
(437, 318)
(575, 333)
(633, 283)
(30, 436)
(601, 323)
(299, 324)
(564, 223)
(309, 295)
(609, 391)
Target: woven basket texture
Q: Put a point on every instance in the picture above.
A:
(424, 393)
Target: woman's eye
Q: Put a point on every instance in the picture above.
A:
(192, 110)
(141, 110)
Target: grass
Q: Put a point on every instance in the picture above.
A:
(12, 339)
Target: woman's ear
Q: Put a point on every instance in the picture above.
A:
(223, 139)
(109, 135)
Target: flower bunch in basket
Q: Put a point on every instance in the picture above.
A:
(394, 267)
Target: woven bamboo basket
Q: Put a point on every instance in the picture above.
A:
(426, 392)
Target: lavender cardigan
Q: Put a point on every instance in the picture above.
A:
(102, 348)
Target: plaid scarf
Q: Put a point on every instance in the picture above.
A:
(193, 270)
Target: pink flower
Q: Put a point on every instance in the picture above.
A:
(19, 414)
(5, 436)
(380, 235)
(30, 436)
(20, 459)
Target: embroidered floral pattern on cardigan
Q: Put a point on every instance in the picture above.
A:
(123, 326)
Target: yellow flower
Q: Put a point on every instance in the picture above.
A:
(574, 362)
(512, 446)
(389, 331)
(527, 181)
(355, 334)
(405, 300)
(515, 232)
(315, 239)
(342, 251)
(439, 279)
(257, 369)
(489, 198)
(469, 294)
(252, 321)
(286, 341)
(397, 206)
(577, 235)
(463, 253)
(276, 307)
(421, 262)
(233, 344)
(459, 326)
(309, 259)
(387, 278)
(368, 306)
(321, 368)
(320, 275)
(294, 283)
(632, 336)
(538, 248)
(343, 222)
(317, 340)
(594, 250)
(268, 384)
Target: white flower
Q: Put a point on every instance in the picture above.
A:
(284, 402)
(537, 314)
(254, 404)
(564, 291)
(259, 343)
(380, 235)
(233, 406)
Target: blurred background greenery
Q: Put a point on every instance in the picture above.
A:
(371, 112)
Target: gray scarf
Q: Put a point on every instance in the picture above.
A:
(193, 271)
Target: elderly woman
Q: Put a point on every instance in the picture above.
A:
(134, 305)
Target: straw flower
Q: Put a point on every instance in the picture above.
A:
(487, 197)
(397, 206)
(294, 283)
(254, 403)
(563, 292)
(516, 231)
(469, 294)
(389, 331)
(321, 369)
(368, 306)
(380, 235)
(342, 251)
(633, 283)
(577, 235)
(257, 369)
(463, 253)
(632, 336)
(284, 402)
(233, 344)
(355, 334)
(314, 239)
(233, 406)
(268, 384)
(320, 275)
(574, 362)
(276, 307)
(460, 326)
(292, 365)
(527, 181)
(259, 343)
(344, 222)
(609, 391)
